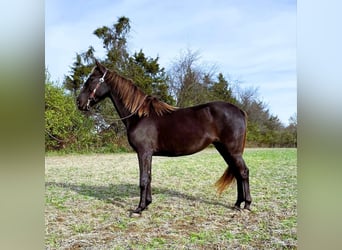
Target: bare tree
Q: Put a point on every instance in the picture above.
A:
(189, 82)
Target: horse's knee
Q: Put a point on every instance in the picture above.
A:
(144, 182)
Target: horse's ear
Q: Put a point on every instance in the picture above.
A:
(100, 66)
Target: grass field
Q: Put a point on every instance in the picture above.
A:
(88, 198)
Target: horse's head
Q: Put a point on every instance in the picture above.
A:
(94, 89)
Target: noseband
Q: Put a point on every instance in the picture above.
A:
(92, 94)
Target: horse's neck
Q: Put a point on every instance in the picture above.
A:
(120, 108)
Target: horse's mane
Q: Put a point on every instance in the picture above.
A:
(134, 99)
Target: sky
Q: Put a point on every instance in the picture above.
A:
(252, 42)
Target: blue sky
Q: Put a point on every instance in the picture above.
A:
(253, 42)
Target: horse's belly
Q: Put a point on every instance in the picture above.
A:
(182, 144)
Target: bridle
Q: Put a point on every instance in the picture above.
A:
(92, 94)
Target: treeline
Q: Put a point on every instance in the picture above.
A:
(185, 83)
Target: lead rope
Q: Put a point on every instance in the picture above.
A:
(121, 119)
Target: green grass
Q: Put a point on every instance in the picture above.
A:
(88, 198)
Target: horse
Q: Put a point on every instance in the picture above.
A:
(155, 128)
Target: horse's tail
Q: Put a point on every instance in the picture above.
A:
(225, 180)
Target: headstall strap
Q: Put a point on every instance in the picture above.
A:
(101, 80)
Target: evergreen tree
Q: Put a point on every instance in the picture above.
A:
(221, 90)
(79, 72)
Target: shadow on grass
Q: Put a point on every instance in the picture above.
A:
(116, 194)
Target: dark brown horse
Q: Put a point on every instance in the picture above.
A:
(156, 128)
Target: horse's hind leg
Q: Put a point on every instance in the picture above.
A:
(241, 174)
(242, 177)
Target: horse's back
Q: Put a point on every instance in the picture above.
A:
(219, 114)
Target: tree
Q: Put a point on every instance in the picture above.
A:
(192, 83)
(189, 82)
(149, 76)
(114, 40)
(289, 136)
(221, 90)
(65, 127)
(79, 71)
(264, 129)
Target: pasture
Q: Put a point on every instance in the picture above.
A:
(88, 198)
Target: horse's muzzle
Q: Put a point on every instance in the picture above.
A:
(84, 106)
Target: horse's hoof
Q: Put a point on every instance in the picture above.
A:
(248, 211)
(247, 206)
(236, 207)
(135, 213)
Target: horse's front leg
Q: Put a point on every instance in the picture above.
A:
(145, 160)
